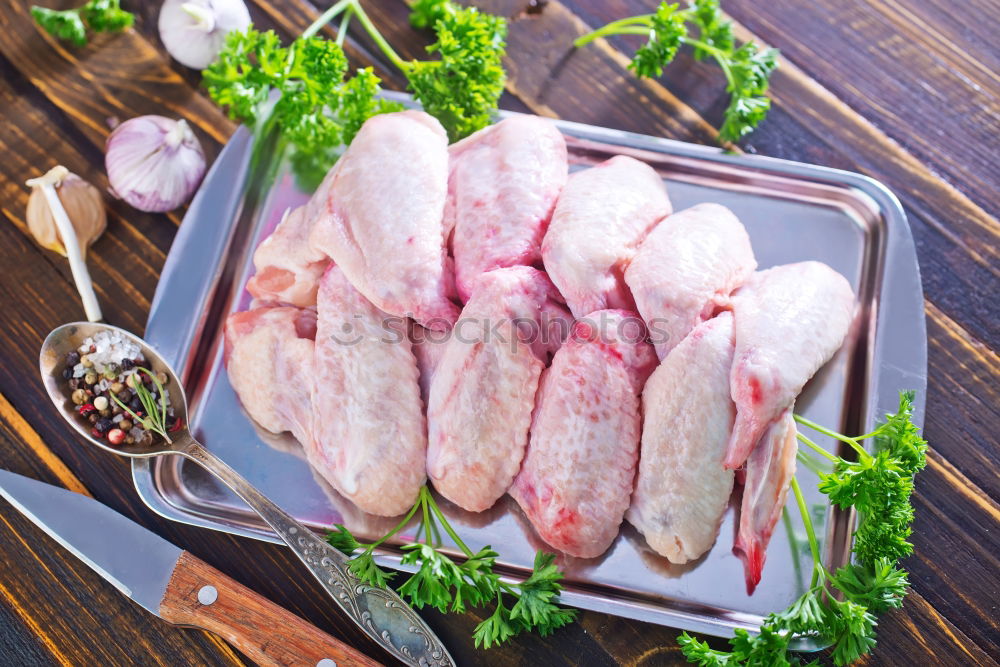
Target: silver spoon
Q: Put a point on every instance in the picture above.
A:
(380, 612)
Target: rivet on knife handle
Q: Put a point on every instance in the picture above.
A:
(380, 612)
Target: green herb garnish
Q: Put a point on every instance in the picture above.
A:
(72, 24)
(840, 608)
(156, 415)
(747, 68)
(449, 586)
(303, 89)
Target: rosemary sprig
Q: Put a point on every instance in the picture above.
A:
(156, 416)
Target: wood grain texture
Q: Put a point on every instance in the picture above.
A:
(266, 633)
(905, 92)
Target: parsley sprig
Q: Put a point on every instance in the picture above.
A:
(840, 608)
(461, 87)
(71, 24)
(747, 68)
(449, 586)
(303, 90)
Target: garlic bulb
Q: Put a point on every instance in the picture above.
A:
(154, 163)
(82, 202)
(194, 31)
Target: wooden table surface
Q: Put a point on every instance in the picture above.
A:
(903, 91)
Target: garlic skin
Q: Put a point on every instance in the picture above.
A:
(154, 163)
(83, 204)
(194, 31)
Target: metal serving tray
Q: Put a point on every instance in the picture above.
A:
(792, 211)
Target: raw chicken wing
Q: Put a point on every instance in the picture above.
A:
(577, 475)
(269, 358)
(682, 489)
(601, 217)
(483, 390)
(790, 320)
(380, 217)
(502, 187)
(369, 434)
(769, 473)
(288, 268)
(686, 269)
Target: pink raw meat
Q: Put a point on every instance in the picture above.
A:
(601, 217)
(369, 435)
(686, 269)
(769, 473)
(575, 483)
(288, 268)
(378, 216)
(502, 187)
(483, 390)
(790, 320)
(269, 358)
(682, 489)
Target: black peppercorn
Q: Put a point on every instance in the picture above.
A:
(104, 425)
(67, 373)
(74, 383)
(73, 358)
(135, 404)
(93, 417)
(127, 364)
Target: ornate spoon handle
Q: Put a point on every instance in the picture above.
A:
(380, 612)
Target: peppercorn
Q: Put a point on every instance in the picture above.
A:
(125, 396)
(73, 358)
(116, 436)
(127, 364)
(104, 425)
(96, 433)
(135, 404)
(67, 373)
(163, 378)
(87, 363)
(93, 417)
(79, 396)
(129, 440)
(74, 383)
(90, 378)
(86, 410)
(116, 387)
(101, 403)
(125, 425)
(106, 413)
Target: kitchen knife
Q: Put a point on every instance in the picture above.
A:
(170, 582)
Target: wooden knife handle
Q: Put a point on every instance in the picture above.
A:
(201, 596)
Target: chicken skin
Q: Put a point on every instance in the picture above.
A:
(790, 320)
(600, 219)
(682, 489)
(502, 187)
(269, 357)
(686, 269)
(379, 217)
(577, 475)
(769, 473)
(369, 438)
(288, 268)
(483, 389)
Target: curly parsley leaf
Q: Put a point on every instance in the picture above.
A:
(71, 24)
(426, 13)
(747, 68)
(447, 585)
(461, 88)
(301, 89)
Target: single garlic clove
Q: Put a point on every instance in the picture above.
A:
(84, 206)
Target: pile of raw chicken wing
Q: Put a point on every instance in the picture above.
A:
(475, 315)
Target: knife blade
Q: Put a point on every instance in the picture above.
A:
(171, 583)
